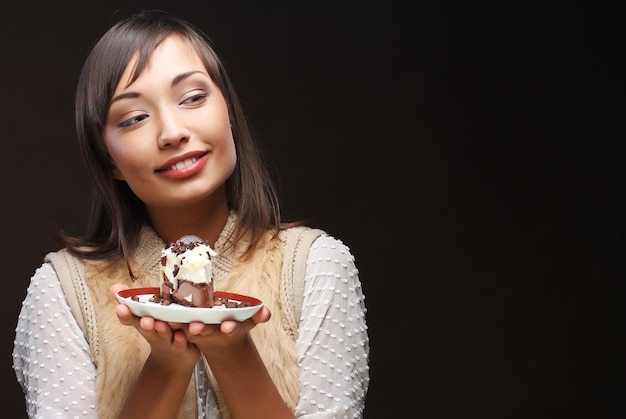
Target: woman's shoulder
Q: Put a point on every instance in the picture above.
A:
(45, 271)
(330, 247)
(44, 284)
(63, 260)
(315, 243)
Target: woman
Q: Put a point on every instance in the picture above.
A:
(170, 153)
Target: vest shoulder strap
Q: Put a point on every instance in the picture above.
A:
(297, 242)
(71, 274)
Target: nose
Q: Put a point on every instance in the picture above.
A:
(173, 131)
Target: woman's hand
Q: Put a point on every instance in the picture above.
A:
(212, 337)
(184, 342)
(167, 340)
(161, 386)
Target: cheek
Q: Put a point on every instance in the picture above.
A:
(231, 162)
(219, 133)
(122, 156)
(124, 161)
(112, 144)
(229, 154)
(113, 152)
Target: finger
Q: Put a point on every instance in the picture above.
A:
(166, 333)
(262, 316)
(196, 328)
(124, 315)
(178, 326)
(162, 327)
(115, 288)
(179, 339)
(229, 327)
(147, 324)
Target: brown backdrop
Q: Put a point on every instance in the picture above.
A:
(468, 154)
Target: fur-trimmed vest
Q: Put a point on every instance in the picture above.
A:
(274, 273)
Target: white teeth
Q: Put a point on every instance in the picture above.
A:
(183, 164)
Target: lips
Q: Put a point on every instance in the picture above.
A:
(183, 166)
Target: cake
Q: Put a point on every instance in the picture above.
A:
(186, 272)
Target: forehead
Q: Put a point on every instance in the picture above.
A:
(170, 57)
(175, 46)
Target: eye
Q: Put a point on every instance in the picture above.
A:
(195, 99)
(131, 121)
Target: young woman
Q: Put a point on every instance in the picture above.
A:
(170, 153)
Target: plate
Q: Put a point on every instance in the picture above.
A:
(181, 314)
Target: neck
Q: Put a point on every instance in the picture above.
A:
(205, 221)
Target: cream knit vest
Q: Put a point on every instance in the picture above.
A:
(274, 274)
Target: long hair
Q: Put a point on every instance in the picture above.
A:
(117, 214)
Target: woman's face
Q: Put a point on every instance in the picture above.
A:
(168, 133)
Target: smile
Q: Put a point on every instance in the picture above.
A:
(185, 168)
(183, 164)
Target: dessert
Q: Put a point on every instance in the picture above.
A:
(186, 272)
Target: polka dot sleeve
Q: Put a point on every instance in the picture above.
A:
(333, 343)
(51, 357)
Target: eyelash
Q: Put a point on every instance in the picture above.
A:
(138, 118)
(196, 98)
(133, 120)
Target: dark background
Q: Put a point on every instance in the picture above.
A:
(469, 154)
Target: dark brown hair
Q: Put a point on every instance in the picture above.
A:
(117, 214)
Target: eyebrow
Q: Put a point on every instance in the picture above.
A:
(177, 80)
(183, 76)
